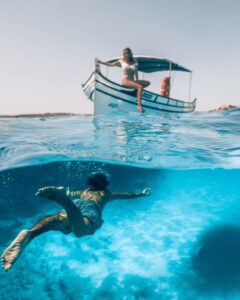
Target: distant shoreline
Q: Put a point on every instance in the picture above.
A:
(43, 115)
(49, 115)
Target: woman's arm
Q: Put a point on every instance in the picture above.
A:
(113, 64)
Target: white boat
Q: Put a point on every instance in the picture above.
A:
(109, 96)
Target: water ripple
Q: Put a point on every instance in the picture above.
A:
(197, 140)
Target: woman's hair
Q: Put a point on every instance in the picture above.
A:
(97, 181)
(131, 59)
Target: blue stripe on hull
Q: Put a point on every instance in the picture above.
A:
(132, 103)
(111, 96)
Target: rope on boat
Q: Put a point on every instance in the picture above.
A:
(173, 77)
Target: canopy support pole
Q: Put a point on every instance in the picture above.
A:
(170, 74)
(97, 70)
(190, 87)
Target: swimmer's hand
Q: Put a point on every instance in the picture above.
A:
(146, 192)
(51, 192)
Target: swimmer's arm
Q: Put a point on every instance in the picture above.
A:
(113, 64)
(122, 195)
(52, 192)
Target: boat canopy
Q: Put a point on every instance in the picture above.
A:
(148, 64)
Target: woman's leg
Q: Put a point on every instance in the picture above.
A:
(144, 83)
(54, 222)
(139, 87)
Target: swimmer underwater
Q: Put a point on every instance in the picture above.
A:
(82, 214)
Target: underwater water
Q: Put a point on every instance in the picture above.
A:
(181, 242)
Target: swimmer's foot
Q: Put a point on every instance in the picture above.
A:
(14, 250)
(140, 108)
(57, 194)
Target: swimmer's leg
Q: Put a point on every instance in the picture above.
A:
(57, 222)
(80, 225)
(11, 254)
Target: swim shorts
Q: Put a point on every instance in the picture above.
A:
(90, 210)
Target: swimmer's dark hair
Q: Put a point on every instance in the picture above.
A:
(98, 181)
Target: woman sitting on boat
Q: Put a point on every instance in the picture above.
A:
(130, 74)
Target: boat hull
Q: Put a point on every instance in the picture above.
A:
(109, 96)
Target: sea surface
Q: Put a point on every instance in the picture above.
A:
(181, 242)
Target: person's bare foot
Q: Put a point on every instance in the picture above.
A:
(140, 108)
(14, 250)
(57, 194)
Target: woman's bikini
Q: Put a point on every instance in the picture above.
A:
(128, 70)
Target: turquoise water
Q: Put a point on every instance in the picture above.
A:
(182, 242)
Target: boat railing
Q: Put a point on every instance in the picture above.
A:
(97, 66)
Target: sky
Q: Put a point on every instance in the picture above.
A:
(48, 48)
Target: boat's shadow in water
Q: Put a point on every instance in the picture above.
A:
(217, 262)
